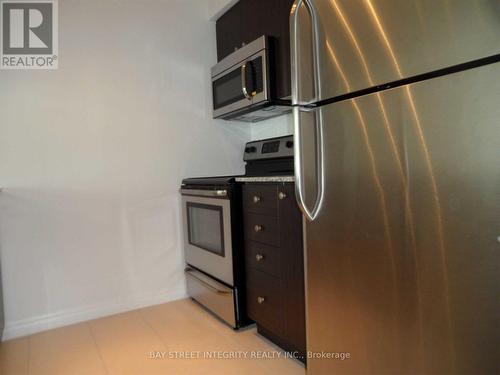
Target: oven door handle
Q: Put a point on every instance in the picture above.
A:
(190, 273)
(204, 193)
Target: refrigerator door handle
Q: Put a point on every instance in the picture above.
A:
(296, 64)
(306, 89)
(309, 213)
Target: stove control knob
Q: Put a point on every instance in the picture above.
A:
(261, 300)
(289, 144)
(250, 150)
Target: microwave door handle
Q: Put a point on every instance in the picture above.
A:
(244, 81)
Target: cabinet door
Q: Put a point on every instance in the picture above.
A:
(228, 29)
(292, 267)
(263, 258)
(246, 21)
(265, 299)
(280, 56)
(260, 199)
(261, 228)
(272, 18)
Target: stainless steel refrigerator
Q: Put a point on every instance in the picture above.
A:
(397, 141)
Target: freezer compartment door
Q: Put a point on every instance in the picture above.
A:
(402, 258)
(341, 46)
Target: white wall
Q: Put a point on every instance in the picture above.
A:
(216, 8)
(92, 155)
(275, 127)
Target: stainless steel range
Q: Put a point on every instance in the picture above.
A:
(213, 230)
(213, 245)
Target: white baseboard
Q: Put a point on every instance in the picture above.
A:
(45, 322)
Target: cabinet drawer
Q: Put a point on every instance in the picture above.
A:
(260, 199)
(265, 301)
(261, 228)
(262, 257)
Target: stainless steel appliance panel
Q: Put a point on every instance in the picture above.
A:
(213, 295)
(239, 56)
(402, 259)
(237, 96)
(372, 42)
(204, 254)
(281, 147)
(231, 91)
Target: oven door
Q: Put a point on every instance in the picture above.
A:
(243, 85)
(207, 233)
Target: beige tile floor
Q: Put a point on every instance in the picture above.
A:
(122, 344)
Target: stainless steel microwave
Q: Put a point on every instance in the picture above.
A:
(242, 85)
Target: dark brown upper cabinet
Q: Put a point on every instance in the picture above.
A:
(246, 21)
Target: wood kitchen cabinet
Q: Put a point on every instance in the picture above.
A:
(246, 21)
(274, 264)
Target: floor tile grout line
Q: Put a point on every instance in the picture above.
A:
(101, 357)
(146, 322)
(233, 340)
(141, 314)
(147, 316)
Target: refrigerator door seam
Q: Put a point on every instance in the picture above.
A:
(408, 81)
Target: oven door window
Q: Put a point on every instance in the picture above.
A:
(205, 227)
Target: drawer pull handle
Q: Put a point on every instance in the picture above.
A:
(259, 257)
(261, 300)
(256, 199)
(214, 289)
(258, 228)
(281, 195)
